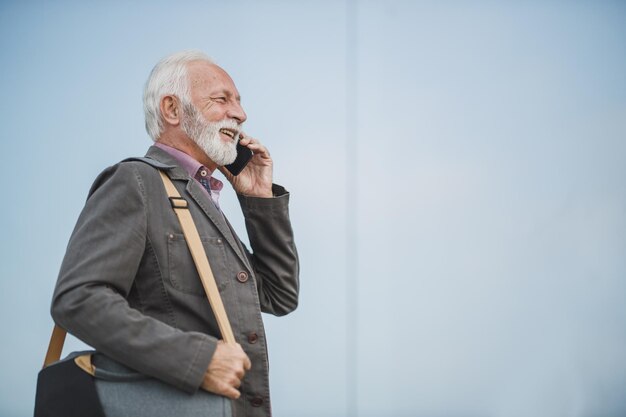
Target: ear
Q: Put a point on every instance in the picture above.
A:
(171, 110)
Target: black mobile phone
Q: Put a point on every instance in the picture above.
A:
(244, 155)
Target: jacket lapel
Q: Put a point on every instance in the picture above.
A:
(215, 215)
(193, 190)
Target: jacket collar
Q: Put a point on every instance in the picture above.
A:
(168, 163)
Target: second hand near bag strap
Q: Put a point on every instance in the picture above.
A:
(181, 208)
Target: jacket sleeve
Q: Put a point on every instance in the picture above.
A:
(97, 273)
(274, 256)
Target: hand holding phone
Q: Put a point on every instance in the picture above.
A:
(251, 173)
(244, 155)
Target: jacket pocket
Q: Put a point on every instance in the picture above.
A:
(183, 275)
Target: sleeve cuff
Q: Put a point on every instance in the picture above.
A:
(199, 365)
(281, 198)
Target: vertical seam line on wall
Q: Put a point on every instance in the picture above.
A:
(351, 211)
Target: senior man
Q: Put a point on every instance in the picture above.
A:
(128, 285)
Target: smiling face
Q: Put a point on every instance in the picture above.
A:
(214, 116)
(209, 135)
(214, 95)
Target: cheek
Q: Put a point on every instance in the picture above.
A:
(215, 114)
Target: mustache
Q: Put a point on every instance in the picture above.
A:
(230, 124)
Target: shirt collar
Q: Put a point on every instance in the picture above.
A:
(187, 162)
(195, 170)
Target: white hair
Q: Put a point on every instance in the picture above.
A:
(168, 77)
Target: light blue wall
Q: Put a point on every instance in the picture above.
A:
(458, 189)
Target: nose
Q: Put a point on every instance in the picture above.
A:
(236, 112)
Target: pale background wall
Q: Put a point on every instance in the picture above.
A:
(457, 175)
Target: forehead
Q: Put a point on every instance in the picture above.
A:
(207, 78)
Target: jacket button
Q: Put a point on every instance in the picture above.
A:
(242, 276)
(256, 402)
(253, 337)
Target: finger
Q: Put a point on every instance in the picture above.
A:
(249, 140)
(255, 145)
(245, 140)
(236, 381)
(222, 388)
(258, 148)
(231, 393)
(247, 364)
(228, 389)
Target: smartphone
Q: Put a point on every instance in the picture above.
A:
(244, 154)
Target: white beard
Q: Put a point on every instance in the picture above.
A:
(207, 135)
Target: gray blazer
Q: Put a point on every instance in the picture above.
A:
(129, 288)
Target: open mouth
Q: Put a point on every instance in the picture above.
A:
(229, 132)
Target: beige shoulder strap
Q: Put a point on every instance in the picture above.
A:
(190, 231)
(55, 347)
(181, 208)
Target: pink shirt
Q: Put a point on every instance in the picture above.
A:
(196, 170)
